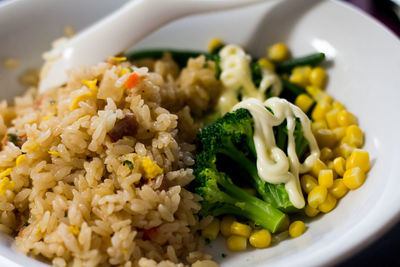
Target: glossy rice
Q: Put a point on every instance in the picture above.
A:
(71, 196)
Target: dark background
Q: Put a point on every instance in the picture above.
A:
(386, 250)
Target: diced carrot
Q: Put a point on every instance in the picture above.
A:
(132, 80)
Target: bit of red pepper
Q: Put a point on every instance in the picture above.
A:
(132, 80)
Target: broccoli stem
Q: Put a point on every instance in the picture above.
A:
(246, 205)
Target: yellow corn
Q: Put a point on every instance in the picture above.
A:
(240, 229)
(124, 71)
(325, 178)
(317, 125)
(328, 205)
(5, 173)
(267, 64)
(353, 178)
(329, 164)
(260, 238)
(338, 189)
(320, 110)
(214, 44)
(326, 153)
(313, 90)
(226, 223)
(322, 97)
(308, 183)
(325, 138)
(331, 118)
(117, 59)
(19, 160)
(317, 196)
(296, 229)
(47, 117)
(346, 118)
(91, 84)
(319, 165)
(236, 243)
(74, 229)
(310, 211)
(211, 231)
(55, 153)
(285, 224)
(343, 150)
(339, 132)
(354, 136)
(278, 52)
(300, 75)
(337, 105)
(6, 184)
(339, 165)
(304, 102)
(318, 77)
(358, 158)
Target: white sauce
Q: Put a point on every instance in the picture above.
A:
(236, 75)
(272, 163)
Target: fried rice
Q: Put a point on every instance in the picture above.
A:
(76, 190)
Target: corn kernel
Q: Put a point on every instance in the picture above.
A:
(325, 178)
(343, 150)
(74, 229)
(310, 211)
(313, 90)
(5, 173)
(278, 52)
(337, 105)
(339, 132)
(304, 102)
(19, 160)
(260, 238)
(214, 44)
(339, 165)
(353, 178)
(328, 205)
(211, 230)
(326, 153)
(316, 125)
(266, 64)
(318, 77)
(317, 196)
(308, 183)
(354, 136)
(322, 97)
(319, 165)
(226, 223)
(358, 158)
(325, 138)
(329, 164)
(299, 79)
(346, 118)
(296, 229)
(320, 110)
(338, 189)
(331, 118)
(284, 225)
(236, 243)
(240, 229)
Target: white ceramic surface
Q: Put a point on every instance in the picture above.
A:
(363, 74)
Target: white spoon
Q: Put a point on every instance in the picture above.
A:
(120, 30)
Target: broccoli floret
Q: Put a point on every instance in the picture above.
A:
(231, 138)
(221, 196)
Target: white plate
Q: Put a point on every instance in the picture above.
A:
(364, 75)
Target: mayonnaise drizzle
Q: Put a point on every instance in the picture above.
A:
(272, 163)
(236, 76)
